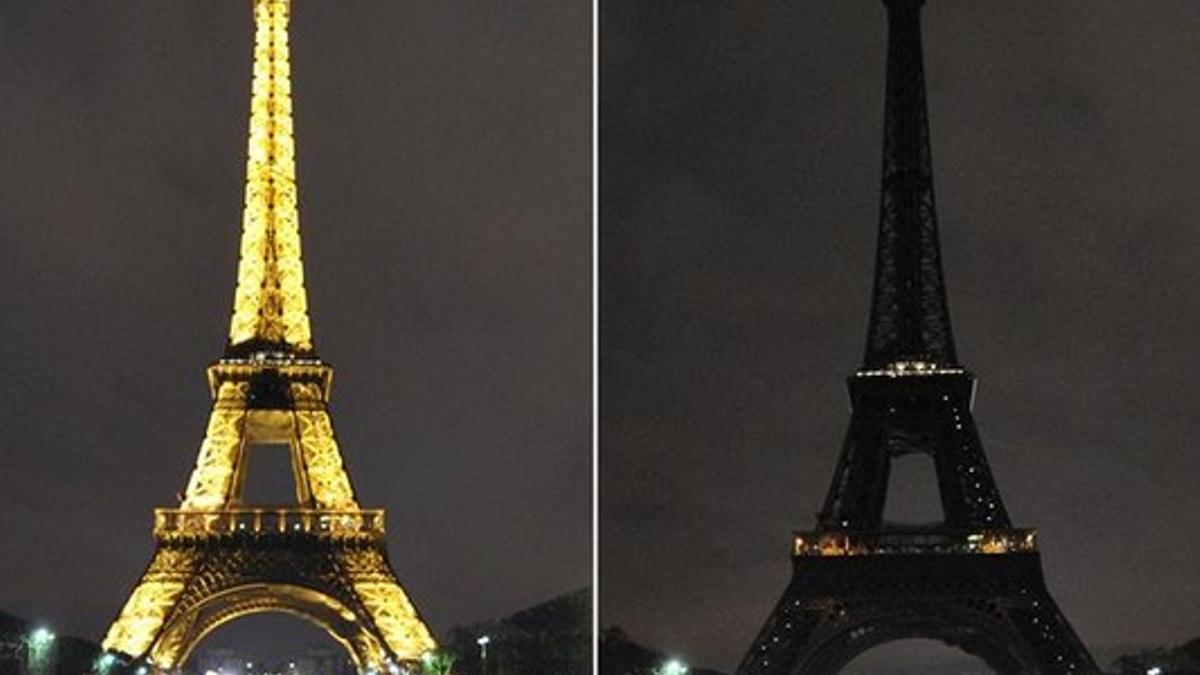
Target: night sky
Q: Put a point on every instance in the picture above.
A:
(444, 155)
(739, 195)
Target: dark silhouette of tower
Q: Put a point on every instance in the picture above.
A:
(971, 580)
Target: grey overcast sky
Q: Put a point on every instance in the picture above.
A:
(739, 195)
(444, 153)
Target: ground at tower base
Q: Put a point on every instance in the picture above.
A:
(550, 638)
(622, 654)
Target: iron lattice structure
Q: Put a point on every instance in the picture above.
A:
(217, 559)
(972, 580)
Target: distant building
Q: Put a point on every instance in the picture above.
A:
(314, 660)
(217, 660)
(323, 660)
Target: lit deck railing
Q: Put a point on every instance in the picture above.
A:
(183, 522)
(907, 368)
(806, 544)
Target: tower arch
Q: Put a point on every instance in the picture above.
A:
(183, 633)
(973, 632)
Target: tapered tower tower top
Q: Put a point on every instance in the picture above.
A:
(910, 317)
(270, 306)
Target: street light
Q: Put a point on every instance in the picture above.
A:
(37, 647)
(483, 642)
(673, 667)
(41, 637)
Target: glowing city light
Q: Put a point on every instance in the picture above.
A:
(673, 667)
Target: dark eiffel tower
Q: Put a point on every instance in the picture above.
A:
(972, 581)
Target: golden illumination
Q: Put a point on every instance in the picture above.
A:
(304, 426)
(270, 304)
(135, 629)
(185, 629)
(991, 542)
(388, 605)
(212, 479)
(407, 636)
(328, 482)
(911, 368)
(360, 523)
(217, 558)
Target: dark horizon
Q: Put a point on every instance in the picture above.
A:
(444, 160)
(739, 202)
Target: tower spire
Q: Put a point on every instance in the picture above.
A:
(270, 307)
(910, 317)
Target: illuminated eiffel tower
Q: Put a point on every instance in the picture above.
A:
(972, 580)
(218, 558)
